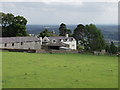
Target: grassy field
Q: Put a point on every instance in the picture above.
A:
(31, 70)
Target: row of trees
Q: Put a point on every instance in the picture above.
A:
(13, 26)
(88, 36)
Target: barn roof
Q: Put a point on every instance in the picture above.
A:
(57, 44)
(61, 37)
(4, 40)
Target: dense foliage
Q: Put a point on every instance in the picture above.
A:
(90, 37)
(94, 38)
(45, 33)
(63, 30)
(112, 49)
(13, 26)
(79, 32)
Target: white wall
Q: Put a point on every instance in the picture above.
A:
(72, 44)
(45, 39)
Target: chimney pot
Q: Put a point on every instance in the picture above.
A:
(66, 35)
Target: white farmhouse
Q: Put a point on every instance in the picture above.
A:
(59, 42)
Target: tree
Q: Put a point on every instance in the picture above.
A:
(6, 21)
(90, 37)
(63, 30)
(78, 33)
(107, 48)
(113, 48)
(118, 48)
(13, 26)
(94, 38)
(45, 33)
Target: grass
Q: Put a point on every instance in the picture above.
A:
(31, 70)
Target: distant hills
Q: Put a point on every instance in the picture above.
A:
(110, 32)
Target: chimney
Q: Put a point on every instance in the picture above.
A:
(66, 35)
(40, 40)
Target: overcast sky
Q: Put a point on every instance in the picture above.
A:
(66, 12)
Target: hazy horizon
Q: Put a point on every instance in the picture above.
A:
(76, 24)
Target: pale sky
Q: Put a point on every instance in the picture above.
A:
(57, 11)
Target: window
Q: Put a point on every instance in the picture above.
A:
(21, 43)
(5, 44)
(12, 44)
(54, 41)
(66, 39)
(35, 42)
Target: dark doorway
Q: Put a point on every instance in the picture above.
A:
(54, 47)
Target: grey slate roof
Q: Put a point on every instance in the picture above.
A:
(4, 40)
(60, 37)
(58, 44)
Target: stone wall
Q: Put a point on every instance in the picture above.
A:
(63, 51)
(56, 51)
(42, 51)
(20, 50)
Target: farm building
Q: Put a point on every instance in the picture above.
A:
(34, 43)
(60, 42)
(20, 43)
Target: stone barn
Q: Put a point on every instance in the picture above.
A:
(28, 43)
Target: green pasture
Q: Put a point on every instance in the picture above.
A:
(31, 70)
